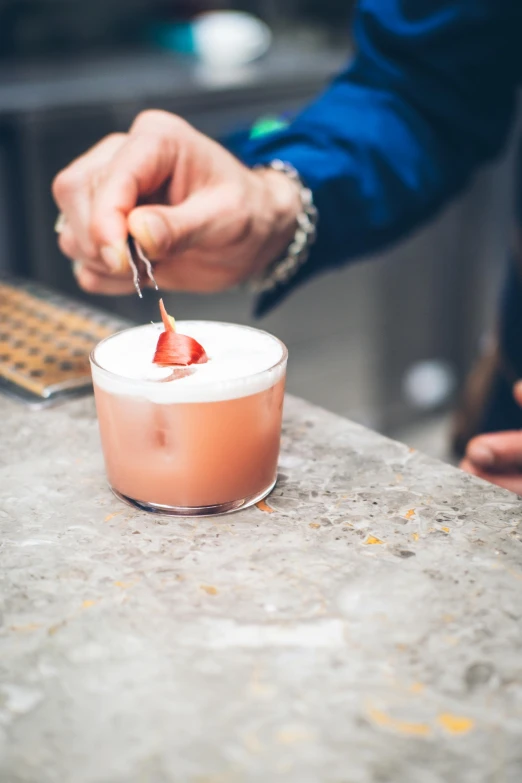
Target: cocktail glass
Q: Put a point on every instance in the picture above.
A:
(194, 451)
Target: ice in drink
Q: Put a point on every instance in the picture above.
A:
(195, 440)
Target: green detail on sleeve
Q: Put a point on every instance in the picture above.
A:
(266, 125)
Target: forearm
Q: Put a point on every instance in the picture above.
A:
(402, 129)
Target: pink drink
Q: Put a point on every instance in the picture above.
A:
(203, 443)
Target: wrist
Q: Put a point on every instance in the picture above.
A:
(293, 227)
(281, 205)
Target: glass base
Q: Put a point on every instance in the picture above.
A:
(196, 511)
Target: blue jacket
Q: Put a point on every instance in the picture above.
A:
(429, 96)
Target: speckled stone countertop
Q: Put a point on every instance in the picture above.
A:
(363, 627)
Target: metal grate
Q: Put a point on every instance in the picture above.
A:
(45, 342)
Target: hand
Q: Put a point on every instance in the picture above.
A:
(497, 457)
(204, 219)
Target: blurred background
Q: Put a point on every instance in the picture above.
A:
(387, 343)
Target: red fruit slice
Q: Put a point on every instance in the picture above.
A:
(174, 348)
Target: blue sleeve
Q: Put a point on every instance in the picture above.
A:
(428, 97)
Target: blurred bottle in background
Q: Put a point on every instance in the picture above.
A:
(219, 39)
(72, 28)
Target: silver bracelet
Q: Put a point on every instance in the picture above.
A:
(297, 253)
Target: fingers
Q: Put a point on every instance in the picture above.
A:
(138, 169)
(165, 231)
(199, 233)
(96, 282)
(509, 481)
(73, 190)
(496, 452)
(497, 457)
(98, 190)
(70, 247)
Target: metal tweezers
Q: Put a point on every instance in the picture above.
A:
(136, 255)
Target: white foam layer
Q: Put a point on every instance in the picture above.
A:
(241, 362)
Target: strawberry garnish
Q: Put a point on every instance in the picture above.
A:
(174, 348)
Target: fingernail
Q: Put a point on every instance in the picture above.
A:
(77, 267)
(481, 455)
(61, 222)
(518, 388)
(115, 257)
(151, 231)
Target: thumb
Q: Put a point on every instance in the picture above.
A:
(140, 167)
(162, 231)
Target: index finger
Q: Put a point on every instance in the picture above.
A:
(72, 188)
(511, 481)
(139, 168)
